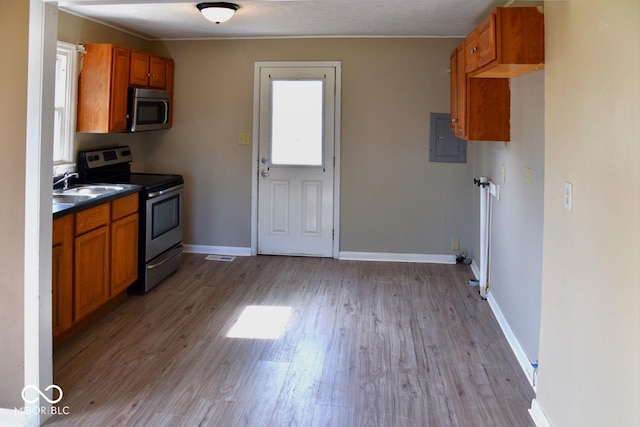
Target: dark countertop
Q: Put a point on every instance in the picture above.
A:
(61, 209)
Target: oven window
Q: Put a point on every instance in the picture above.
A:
(166, 216)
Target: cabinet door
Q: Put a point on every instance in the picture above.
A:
(486, 33)
(461, 93)
(119, 87)
(488, 109)
(62, 274)
(471, 52)
(124, 253)
(157, 72)
(139, 71)
(102, 89)
(453, 101)
(91, 271)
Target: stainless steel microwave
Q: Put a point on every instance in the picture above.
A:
(148, 109)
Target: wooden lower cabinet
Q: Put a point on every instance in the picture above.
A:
(124, 243)
(124, 253)
(94, 260)
(62, 274)
(91, 271)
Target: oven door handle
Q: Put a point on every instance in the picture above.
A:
(163, 192)
(170, 254)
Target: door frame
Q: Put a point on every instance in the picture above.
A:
(337, 65)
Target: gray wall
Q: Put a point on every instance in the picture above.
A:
(516, 243)
(392, 200)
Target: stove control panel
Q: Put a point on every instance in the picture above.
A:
(105, 157)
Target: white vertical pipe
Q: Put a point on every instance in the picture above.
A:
(485, 231)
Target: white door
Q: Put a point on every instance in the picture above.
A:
(296, 160)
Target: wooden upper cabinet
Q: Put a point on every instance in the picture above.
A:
(480, 107)
(471, 52)
(480, 44)
(139, 71)
(147, 70)
(102, 89)
(453, 92)
(486, 41)
(458, 91)
(107, 72)
(509, 42)
(157, 72)
(119, 98)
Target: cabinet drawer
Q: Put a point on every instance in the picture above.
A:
(124, 206)
(92, 218)
(61, 228)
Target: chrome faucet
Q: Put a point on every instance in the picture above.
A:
(65, 179)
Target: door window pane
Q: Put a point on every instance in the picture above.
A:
(297, 122)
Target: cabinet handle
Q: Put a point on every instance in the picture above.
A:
(454, 120)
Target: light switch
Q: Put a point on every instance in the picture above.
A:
(527, 176)
(568, 196)
(244, 138)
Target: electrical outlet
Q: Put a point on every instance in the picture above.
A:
(244, 138)
(568, 196)
(455, 243)
(527, 176)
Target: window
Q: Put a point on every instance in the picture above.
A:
(297, 122)
(66, 82)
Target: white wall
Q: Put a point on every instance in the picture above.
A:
(590, 336)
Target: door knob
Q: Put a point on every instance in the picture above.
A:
(264, 173)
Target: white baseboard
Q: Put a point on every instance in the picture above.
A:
(351, 256)
(397, 257)
(475, 269)
(537, 415)
(11, 417)
(517, 349)
(217, 250)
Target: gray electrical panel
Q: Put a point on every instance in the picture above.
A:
(443, 145)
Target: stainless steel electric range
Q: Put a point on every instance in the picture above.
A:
(160, 211)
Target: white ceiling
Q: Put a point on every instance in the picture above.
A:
(180, 19)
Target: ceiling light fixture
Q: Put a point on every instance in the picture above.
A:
(217, 12)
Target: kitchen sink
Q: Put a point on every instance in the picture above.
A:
(71, 198)
(92, 190)
(86, 194)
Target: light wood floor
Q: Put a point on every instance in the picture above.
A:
(367, 344)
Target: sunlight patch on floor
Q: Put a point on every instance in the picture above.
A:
(261, 322)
